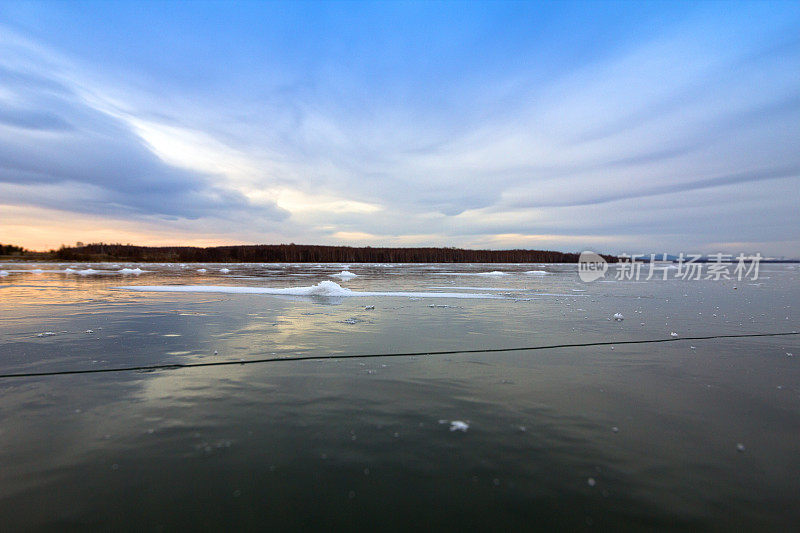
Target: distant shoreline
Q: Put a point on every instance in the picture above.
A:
(301, 253)
(285, 253)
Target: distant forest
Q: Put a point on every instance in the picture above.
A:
(290, 253)
(10, 249)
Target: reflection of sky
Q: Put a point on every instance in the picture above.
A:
(99, 325)
(135, 447)
(550, 125)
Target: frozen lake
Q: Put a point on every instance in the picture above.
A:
(701, 433)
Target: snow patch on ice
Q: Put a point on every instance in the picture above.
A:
(479, 288)
(459, 425)
(344, 275)
(324, 288)
(83, 272)
(493, 273)
(135, 271)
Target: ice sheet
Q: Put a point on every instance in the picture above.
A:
(323, 288)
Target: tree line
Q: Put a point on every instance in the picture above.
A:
(299, 253)
(10, 249)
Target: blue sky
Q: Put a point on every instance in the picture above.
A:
(622, 127)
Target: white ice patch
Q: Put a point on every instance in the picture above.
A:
(3, 273)
(504, 289)
(224, 270)
(323, 288)
(573, 296)
(201, 270)
(344, 275)
(135, 271)
(493, 273)
(87, 272)
(458, 425)
(536, 273)
(83, 272)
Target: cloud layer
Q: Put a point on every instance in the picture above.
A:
(569, 126)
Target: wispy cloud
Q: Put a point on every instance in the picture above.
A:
(58, 150)
(488, 135)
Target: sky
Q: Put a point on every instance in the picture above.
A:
(620, 127)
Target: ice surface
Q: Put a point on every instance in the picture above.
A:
(324, 288)
(86, 271)
(459, 425)
(136, 271)
(83, 272)
(489, 274)
(344, 275)
(480, 288)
